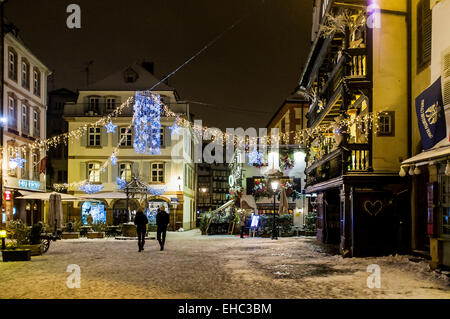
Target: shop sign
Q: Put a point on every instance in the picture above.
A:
(23, 183)
(7, 195)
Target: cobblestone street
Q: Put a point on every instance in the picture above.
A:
(195, 266)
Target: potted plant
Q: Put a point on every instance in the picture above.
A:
(72, 230)
(98, 230)
(204, 219)
(19, 235)
(310, 224)
(33, 241)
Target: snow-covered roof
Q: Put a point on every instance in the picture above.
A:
(116, 81)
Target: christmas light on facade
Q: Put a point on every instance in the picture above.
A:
(110, 127)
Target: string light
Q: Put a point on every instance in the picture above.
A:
(175, 128)
(91, 188)
(121, 183)
(156, 191)
(147, 123)
(16, 161)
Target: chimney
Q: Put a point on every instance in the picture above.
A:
(149, 66)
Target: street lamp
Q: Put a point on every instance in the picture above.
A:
(274, 184)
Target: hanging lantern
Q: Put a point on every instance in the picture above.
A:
(411, 170)
(417, 170)
(402, 172)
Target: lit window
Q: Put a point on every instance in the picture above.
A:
(94, 136)
(12, 112)
(35, 165)
(386, 124)
(25, 119)
(37, 82)
(94, 172)
(25, 75)
(158, 173)
(36, 123)
(125, 171)
(125, 137)
(12, 65)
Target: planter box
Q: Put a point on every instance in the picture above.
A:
(16, 255)
(74, 235)
(310, 233)
(129, 230)
(93, 235)
(35, 249)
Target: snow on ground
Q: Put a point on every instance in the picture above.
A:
(195, 266)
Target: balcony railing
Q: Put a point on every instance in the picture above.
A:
(351, 158)
(358, 157)
(358, 62)
(87, 109)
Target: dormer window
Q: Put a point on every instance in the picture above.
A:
(130, 76)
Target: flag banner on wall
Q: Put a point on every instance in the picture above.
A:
(431, 115)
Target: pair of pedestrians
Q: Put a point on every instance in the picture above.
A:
(141, 221)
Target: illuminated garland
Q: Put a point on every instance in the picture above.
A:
(157, 191)
(121, 183)
(16, 161)
(91, 188)
(147, 123)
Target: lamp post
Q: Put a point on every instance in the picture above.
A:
(274, 183)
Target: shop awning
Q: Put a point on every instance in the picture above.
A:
(108, 195)
(441, 152)
(46, 196)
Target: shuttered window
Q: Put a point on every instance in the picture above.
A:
(424, 28)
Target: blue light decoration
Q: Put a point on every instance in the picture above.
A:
(157, 191)
(121, 183)
(254, 158)
(147, 123)
(97, 212)
(175, 128)
(90, 188)
(16, 162)
(110, 127)
(113, 159)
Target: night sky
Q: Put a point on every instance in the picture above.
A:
(246, 75)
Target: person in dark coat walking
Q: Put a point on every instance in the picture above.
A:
(141, 221)
(162, 220)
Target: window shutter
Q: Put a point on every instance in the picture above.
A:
(424, 33)
(83, 138)
(115, 137)
(167, 168)
(114, 172)
(135, 169)
(167, 137)
(427, 31)
(104, 175)
(146, 171)
(104, 137)
(445, 76)
(83, 171)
